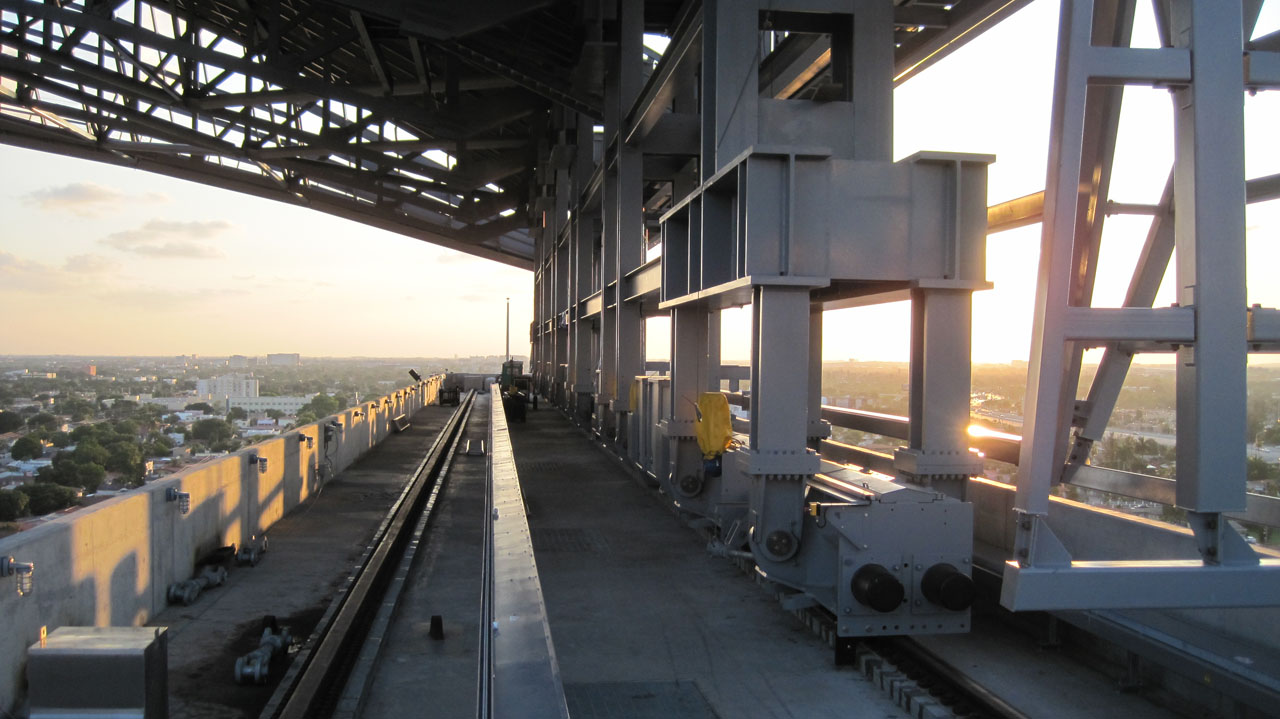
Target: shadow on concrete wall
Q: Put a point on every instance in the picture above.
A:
(167, 548)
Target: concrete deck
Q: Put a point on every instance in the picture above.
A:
(645, 623)
(311, 552)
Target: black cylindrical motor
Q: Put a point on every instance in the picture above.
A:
(946, 586)
(876, 587)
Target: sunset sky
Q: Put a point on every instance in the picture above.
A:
(102, 260)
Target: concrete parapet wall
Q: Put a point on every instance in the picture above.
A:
(111, 564)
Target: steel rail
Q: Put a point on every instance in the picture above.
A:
(484, 664)
(963, 694)
(361, 676)
(315, 682)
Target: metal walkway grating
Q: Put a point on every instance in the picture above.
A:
(589, 541)
(637, 700)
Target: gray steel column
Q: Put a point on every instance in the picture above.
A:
(688, 382)
(558, 224)
(779, 363)
(1201, 62)
(562, 287)
(730, 29)
(628, 323)
(537, 353)
(941, 344)
(1038, 465)
(714, 340)
(779, 458)
(1209, 237)
(817, 429)
(873, 72)
(581, 369)
(608, 281)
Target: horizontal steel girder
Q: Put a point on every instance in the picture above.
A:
(1140, 585)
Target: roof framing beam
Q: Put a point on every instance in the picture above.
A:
(539, 85)
(20, 134)
(267, 72)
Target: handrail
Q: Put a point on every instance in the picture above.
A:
(1003, 447)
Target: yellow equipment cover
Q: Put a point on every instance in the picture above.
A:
(715, 424)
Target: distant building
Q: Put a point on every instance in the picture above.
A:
(228, 385)
(177, 438)
(91, 370)
(288, 405)
(284, 360)
(260, 432)
(28, 374)
(235, 361)
(31, 466)
(173, 404)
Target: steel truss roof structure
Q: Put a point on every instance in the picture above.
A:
(420, 118)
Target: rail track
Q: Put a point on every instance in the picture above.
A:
(916, 677)
(920, 681)
(329, 672)
(327, 677)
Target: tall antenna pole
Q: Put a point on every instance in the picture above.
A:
(508, 328)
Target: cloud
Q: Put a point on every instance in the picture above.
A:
(17, 273)
(91, 280)
(90, 264)
(79, 275)
(87, 199)
(158, 298)
(169, 239)
(455, 258)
